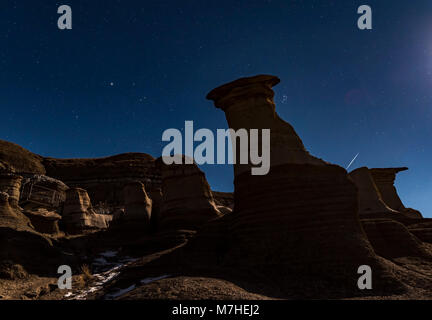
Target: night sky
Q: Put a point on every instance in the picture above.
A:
(131, 69)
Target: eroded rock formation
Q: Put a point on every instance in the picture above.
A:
(11, 184)
(43, 220)
(78, 214)
(248, 103)
(391, 239)
(370, 201)
(20, 244)
(16, 158)
(43, 191)
(10, 215)
(299, 219)
(187, 201)
(138, 206)
(384, 179)
(105, 178)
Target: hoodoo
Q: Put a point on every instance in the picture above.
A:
(300, 221)
(11, 184)
(370, 200)
(384, 179)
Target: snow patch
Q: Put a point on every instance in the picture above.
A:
(109, 254)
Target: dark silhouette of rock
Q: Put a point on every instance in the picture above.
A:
(78, 214)
(370, 201)
(138, 206)
(300, 221)
(391, 239)
(187, 200)
(17, 159)
(105, 178)
(384, 179)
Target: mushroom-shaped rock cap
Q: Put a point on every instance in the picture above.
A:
(388, 170)
(243, 86)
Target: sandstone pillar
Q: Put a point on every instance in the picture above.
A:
(299, 223)
(384, 179)
(138, 205)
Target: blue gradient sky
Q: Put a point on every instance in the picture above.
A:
(344, 90)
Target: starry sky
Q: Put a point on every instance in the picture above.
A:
(128, 70)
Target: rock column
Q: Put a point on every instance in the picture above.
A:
(11, 184)
(138, 206)
(78, 213)
(299, 223)
(384, 179)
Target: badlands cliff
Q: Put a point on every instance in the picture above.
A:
(301, 231)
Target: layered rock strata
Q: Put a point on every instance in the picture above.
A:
(11, 184)
(10, 215)
(384, 179)
(17, 159)
(43, 220)
(43, 191)
(391, 239)
(187, 201)
(105, 178)
(19, 243)
(370, 201)
(138, 206)
(299, 221)
(78, 214)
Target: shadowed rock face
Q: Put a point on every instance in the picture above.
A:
(248, 103)
(11, 184)
(42, 199)
(187, 201)
(19, 243)
(138, 206)
(391, 239)
(43, 191)
(299, 220)
(44, 221)
(370, 201)
(10, 215)
(78, 214)
(105, 178)
(384, 179)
